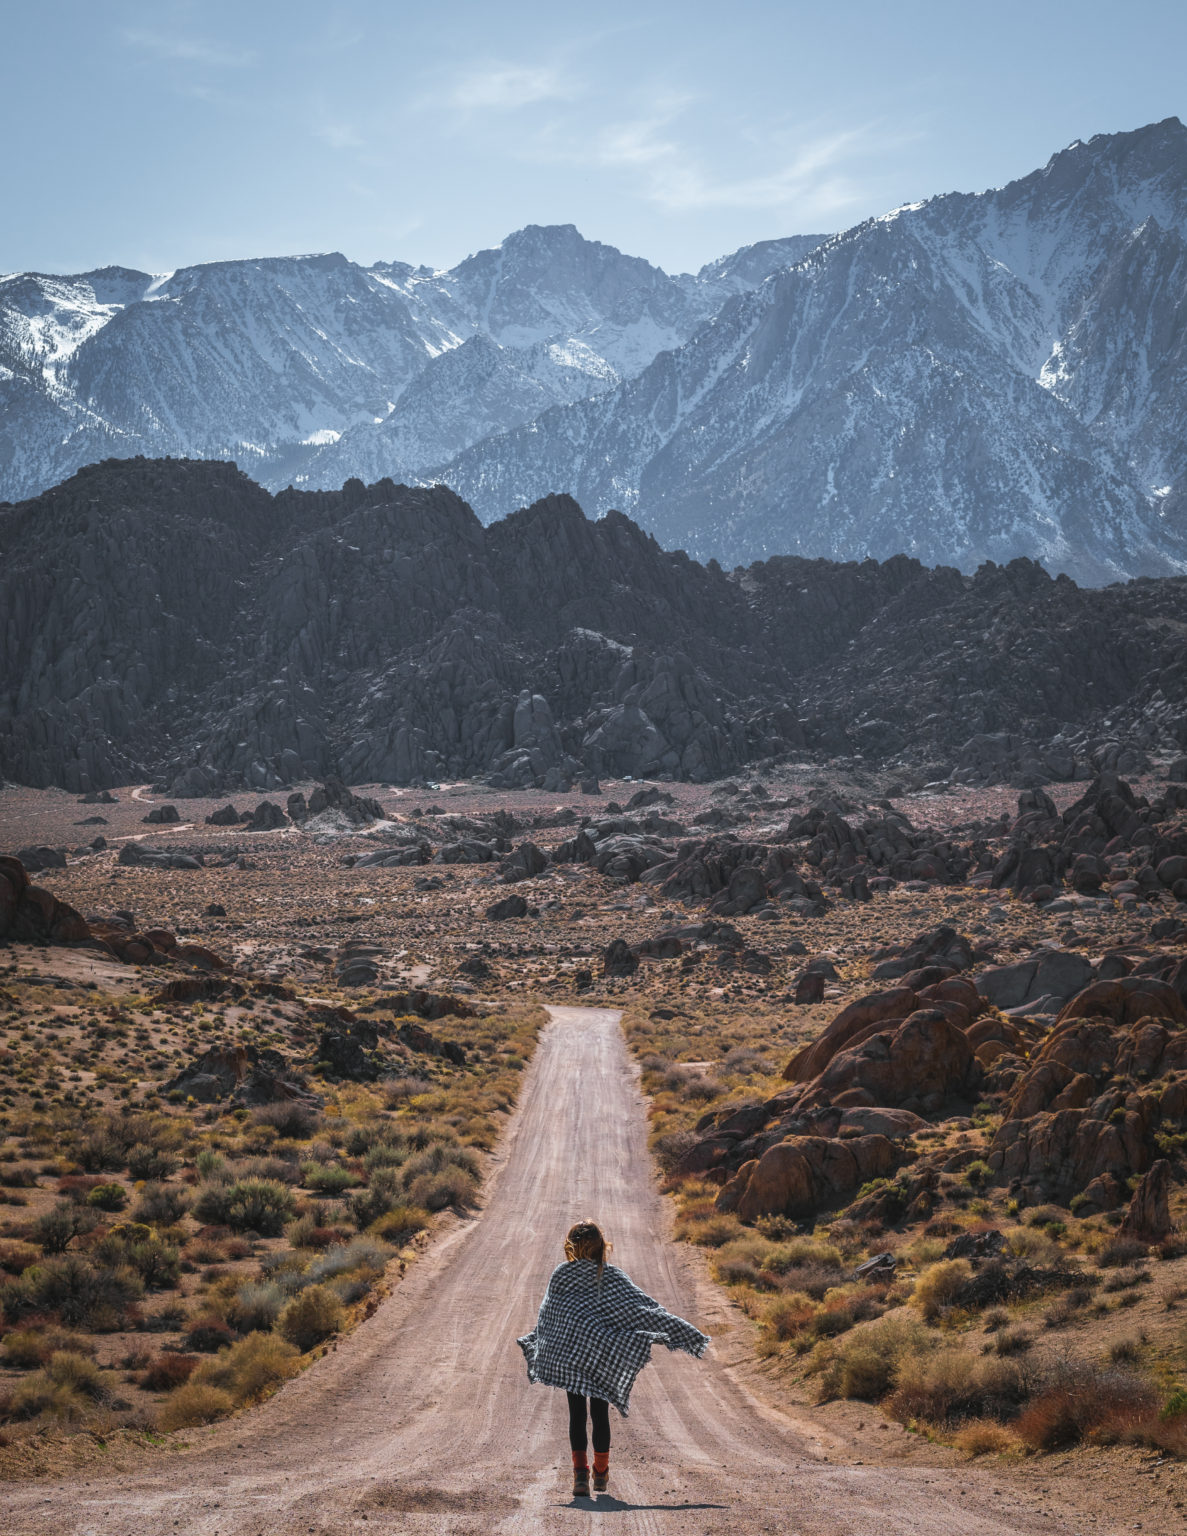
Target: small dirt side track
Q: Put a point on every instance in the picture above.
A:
(423, 1419)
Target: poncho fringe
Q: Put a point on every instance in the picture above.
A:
(594, 1338)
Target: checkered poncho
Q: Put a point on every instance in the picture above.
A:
(595, 1339)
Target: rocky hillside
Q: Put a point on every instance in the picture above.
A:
(173, 621)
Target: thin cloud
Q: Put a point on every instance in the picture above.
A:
(673, 178)
(340, 136)
(189, 50)
(506, 87)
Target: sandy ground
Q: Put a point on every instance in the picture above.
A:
(423, 1419)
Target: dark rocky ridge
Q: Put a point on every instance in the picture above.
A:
(171, 619)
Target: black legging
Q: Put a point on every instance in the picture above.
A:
(599, 1415)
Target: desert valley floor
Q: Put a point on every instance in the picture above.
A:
(574, 1053)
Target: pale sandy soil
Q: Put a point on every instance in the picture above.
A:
(423, 1420)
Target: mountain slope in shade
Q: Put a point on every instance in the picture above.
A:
(978, 376)
(171, 619)
(272, 362)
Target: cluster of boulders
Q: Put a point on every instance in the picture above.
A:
(242, 1075)
(1088, 1096)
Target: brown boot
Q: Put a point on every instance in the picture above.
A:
(600, 1478)
(581, 1482)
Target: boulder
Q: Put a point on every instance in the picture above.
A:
(851, 1024)
(922, 1061)
(1148, 1218)
(619, 959)
(524, 864)
(141, 855)
(31, 915)
(162, 815)
(40, 858)
(267, 817)
(417, 1038)
(227, 817)
(806, 1174)
(509, 906)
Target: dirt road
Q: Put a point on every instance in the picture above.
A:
(423, 1420)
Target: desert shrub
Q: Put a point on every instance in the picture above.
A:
(81, 1293)
(401, 1089)
(1033, 1245)
(157, 1263)
(978, 1173)
(329, 1178)
(15, 1257)
(802, 1253)
(278, 1170)
(161, 1205)
(68, 1368)
(108, 1197)
(311, 1316)
(384, 1192)
(212, 1165)
(708, 1231)
(788, 1315)
(297, 1122)
(192, 1404)
(1121, 1251)
(399, 1224)
(672, 1147)
(249, 1368)
(207, 1335)
(341, 1259)
(1085, 1402)
(984, 1439)
(251, 1205)
(166, 1372)
(953, 1384)
(385, 1154)
(866, 1364)
(1125, 1351)
(99, 1151)
(451, 1185)
(939, 1286)
(145, 1162)
(212, 1203)
(1125, 1280)
(1012, 1341)
(776, 1228)
(64, 1388)
(56, 1228)
(256, 1306)
(28, 1348)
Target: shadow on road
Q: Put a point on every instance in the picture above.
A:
(607, 1504)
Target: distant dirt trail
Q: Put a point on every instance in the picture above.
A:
(423, 1419)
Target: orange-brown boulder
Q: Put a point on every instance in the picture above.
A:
(923, 1059)
(1126, 1000)
(806, 1174)
(1059, 1154)
(861, 1018)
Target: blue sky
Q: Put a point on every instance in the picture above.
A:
(157, 135)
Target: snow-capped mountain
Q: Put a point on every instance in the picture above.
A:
(300, 367)
(976, 376)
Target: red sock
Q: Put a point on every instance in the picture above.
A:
(580, 1463)
(601, 1461)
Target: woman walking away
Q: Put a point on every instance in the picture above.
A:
(592, 1338)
